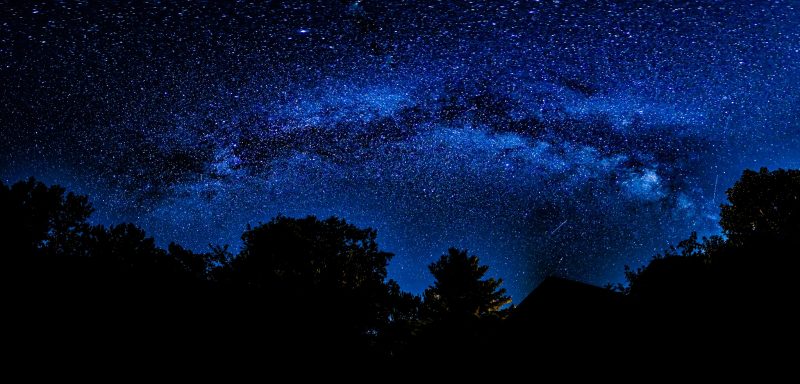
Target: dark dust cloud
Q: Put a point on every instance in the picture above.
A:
(548, 137)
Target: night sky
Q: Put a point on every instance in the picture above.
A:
(547, 137)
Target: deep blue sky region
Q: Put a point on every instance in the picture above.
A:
(547, 137)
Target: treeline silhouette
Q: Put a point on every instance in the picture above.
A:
(306, 289)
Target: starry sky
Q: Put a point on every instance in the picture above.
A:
(547, 137)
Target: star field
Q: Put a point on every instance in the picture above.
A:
(547, 137)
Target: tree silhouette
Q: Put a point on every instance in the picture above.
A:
(403, 321)
(202, 266)
(762, 204)
(37, 219)
(683, 274)
(459, 291)
(310, 254)
(762, 225)
(319, 288)
(126, 250)
(326, 276)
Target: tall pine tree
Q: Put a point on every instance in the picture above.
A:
(459, 291)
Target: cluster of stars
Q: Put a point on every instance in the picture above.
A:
(547, 137)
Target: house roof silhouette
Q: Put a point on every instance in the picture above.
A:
(557, 297)
(564, 318)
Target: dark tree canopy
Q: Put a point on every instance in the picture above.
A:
(50, 246)
(459, 290)
(762, 225)
(310, 254)
(309, 286)
(38, 218)
(763, 203)
(682, 273)
(326, 272)
(134, 255)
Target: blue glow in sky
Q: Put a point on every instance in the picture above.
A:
(546, 137)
